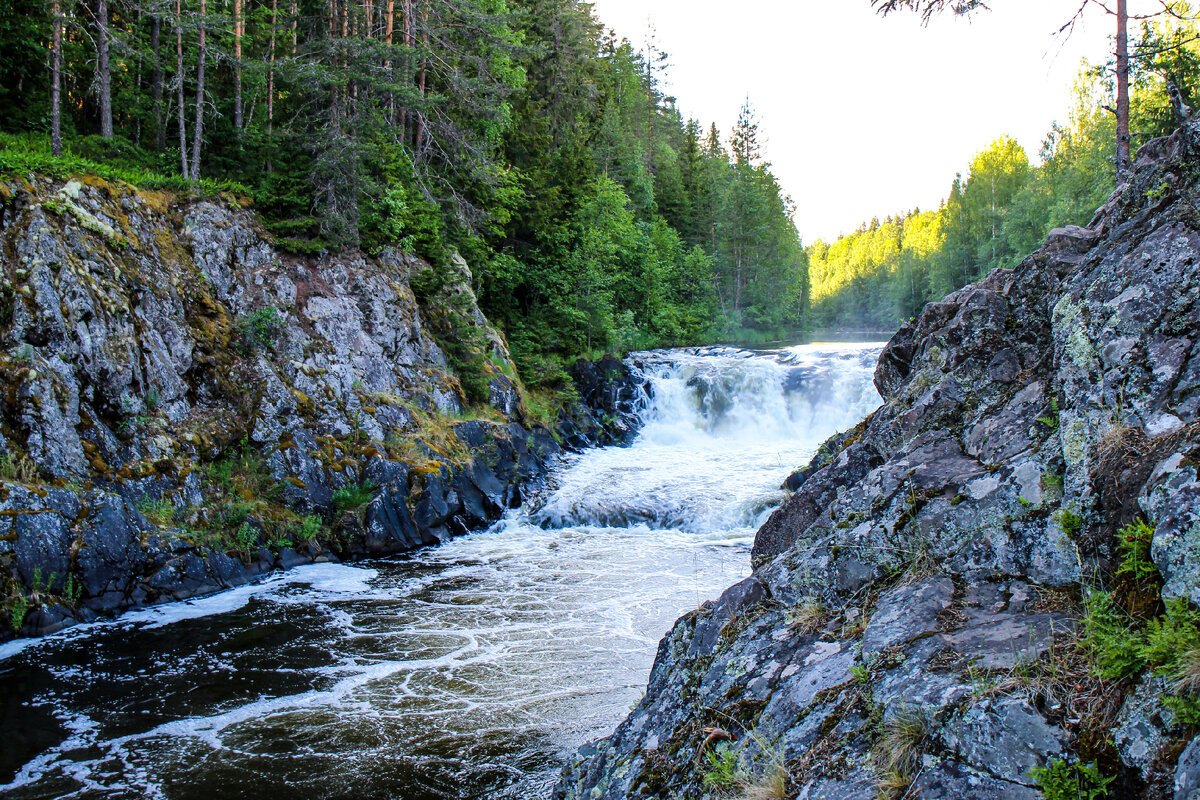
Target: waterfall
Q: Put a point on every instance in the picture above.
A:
(720, 429)
(469, 670)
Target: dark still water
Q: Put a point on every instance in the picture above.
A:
(465, 671)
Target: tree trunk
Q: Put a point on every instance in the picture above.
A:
(198, 128)
(419, 139)
(156, 83)
(1122, 90)
(103, 70)
(238, 30)
(409, 41)
(271, 75)
(183, 150)
(389, 28)
(334, 110)
(56, 82)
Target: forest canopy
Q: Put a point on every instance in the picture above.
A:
(545, 150)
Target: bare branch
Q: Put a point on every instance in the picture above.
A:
(929, 8)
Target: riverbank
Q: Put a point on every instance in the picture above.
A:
(988, 587)
(187, 407)
(465, 671)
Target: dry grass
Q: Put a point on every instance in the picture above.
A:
(807, 618)
(19, 468)
(771, 785)
(898, 752)
(1063, 681)
(772, 781)
(1187, 673)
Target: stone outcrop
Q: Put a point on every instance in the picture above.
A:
(912, 624)
(185, 406)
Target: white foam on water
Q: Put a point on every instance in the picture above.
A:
(477, 664)
(719, 434)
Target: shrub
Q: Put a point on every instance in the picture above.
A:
(20, 607)
(310, 528)
(246, 537)
(723, 770)
(1060, 780)
(1111, 637)
(261, 328)
(353, 495)
(1134, 542)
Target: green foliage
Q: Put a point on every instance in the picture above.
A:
(261, 328)
(310, 527)
(246, 537)
(1111, 637)
(860, 673)
(999, 213)
(1062, 780)
(21, 155)
(1070, 522)
(353, 495)
(1051, 419)
(72, 591)
(723, 770)
(160, 513)
(1121, 645)
(1133, 543)
(17, 611)
(1168, 637)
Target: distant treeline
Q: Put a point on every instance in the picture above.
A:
(524, 136)
(1002, 209)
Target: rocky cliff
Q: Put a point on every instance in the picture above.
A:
(986, 589)
(185, 406)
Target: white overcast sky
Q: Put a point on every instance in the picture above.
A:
(867, 116)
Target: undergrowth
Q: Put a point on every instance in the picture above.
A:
(1063, 780)
(21, 155)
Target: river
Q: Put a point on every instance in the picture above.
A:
(468, 670)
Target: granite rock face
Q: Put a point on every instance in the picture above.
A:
(931, 561)
(185, 406)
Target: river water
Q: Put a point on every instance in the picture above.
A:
(467, 670)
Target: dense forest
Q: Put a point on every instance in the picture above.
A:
(1001, 209)
(518, 133)
(523, 135)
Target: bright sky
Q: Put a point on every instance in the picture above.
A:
(867, 116)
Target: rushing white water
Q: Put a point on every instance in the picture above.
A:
(464, 671)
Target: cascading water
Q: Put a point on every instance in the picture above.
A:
(467, 670)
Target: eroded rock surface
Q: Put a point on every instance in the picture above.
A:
(926, 576)
(185, 406)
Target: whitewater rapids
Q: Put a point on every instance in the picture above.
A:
(468, 670)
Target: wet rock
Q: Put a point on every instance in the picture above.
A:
(1187, 773)
(110, 556)
(950, 780)
(1143, 725)
(1006, 737)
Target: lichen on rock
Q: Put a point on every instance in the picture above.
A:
(187, 407)
(924, 587)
